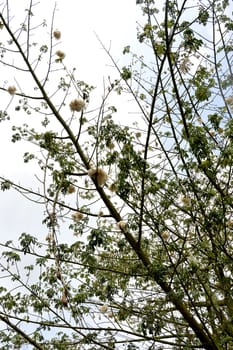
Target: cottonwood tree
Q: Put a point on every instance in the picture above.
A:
(138, 208)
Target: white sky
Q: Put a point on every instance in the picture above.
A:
(113, 21)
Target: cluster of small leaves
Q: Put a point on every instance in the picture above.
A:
(4, 116)
(5, 185)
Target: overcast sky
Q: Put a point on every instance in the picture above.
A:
(113, 21)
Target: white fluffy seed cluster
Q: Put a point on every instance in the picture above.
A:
(70, 189)
(165, 235)
(103, 308)
(57, 34)
(122, 225)
(11, 90)
(61, 55)
(99, 174)
(77, 105)
(77, 216)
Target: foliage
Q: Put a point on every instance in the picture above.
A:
(138, 208)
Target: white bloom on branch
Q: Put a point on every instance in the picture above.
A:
(61, 55)
(11, 90)
(165, 235)
(103, 308)
(70, 189)
(77, 216)
(186, 200)
(57, 34)
(122, 225)
(99, 174)
(77, 105)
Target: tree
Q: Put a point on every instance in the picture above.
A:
(148, 200)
